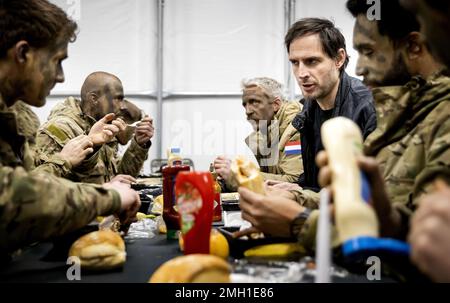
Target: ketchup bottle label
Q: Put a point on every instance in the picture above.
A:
(195, 198)
(189, 204)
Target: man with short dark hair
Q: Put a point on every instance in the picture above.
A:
(390, 52)
(415, 105)
(35, 206)
(318, 55)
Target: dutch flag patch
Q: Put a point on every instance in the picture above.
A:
(293, 148)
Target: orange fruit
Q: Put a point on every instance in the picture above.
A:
(218, 244)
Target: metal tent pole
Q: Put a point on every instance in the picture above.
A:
(289, 19)
(159, 77)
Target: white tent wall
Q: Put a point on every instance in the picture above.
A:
(209, 46)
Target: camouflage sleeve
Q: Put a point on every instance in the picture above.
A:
(307, 198)
(87, 166)
(49, 143)
(36, 206)
(133, 159)
(47, 155)
(289, 167)
(437, 158)
(54, 165)
(308, 233)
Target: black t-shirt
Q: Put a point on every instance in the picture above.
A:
(309, 180)
(320, 116)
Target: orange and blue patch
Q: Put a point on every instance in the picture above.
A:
(293, 148)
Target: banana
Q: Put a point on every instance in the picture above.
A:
(274, 250)
(142, 216)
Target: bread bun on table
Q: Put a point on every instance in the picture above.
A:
(195, 268)
(99, 250)
(248, 175)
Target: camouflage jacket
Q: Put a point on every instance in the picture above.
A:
(27, 122)
(411, 143)
(34, 205)
(284, 165)
(412, 140)
(67, 121)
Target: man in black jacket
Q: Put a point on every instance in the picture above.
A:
(318, 55)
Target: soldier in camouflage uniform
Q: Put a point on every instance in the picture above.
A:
(430, 226)
(411, 141)
(35, 205)
(101, 94)
(264, 103)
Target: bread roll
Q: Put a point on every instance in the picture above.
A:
(194, 268)
(99, 250)
(247, 175)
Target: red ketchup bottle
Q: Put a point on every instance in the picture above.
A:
(171, 216)
(195, 197)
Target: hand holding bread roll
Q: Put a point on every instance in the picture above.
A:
(195, 268)
(99, 250)
(247, 175)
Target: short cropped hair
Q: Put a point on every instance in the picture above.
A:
(39, 22)
(395, 21)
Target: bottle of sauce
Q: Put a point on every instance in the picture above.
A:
(195, 196)
(170, 172)
(174, 156)
(217, 213)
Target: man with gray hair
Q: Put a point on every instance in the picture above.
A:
(274, 142)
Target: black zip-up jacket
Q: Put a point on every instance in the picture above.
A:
(354, 101)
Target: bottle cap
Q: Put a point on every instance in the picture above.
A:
(367, 246)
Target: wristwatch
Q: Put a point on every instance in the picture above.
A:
(147, 145)
(299, 221)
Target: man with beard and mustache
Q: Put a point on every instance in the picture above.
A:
(102, 102)
(410, 147)
(409, 161)
(390, 54)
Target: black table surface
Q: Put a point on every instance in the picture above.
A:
(43, 263)
(144, 256)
